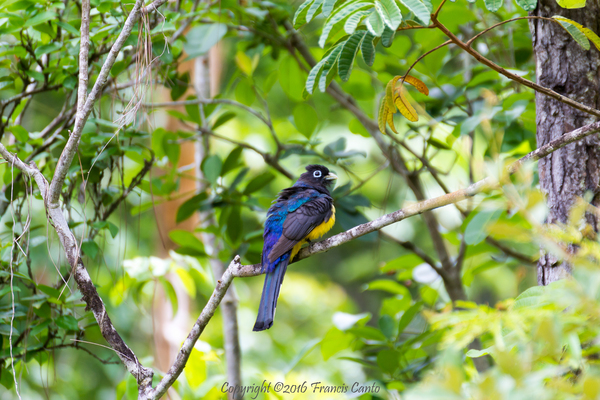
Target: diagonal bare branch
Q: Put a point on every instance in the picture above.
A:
(68, 153)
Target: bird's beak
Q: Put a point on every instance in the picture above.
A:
(331, 177)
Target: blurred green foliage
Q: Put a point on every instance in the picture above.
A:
(370, 311)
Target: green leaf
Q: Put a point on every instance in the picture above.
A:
(190, 206)
(493, 5)
(234, 224)
(223, 119)
(244, 93)
(388, 360)
(20, 133)
(305, 119)
(314, 75)
(389, 12)
(195, 369)
(368, 49)
(329, 69)
(334, 342)
(530, 5)
(188, 281)
(68, 27)
(405, 262)
(113, 229)
(387, 37)
(258, 182)
(67, 322)
(408, 316)
(338, 16)
(353, 21)
(232, 161)
(476, 228)
(90, 248)
(39, 19)
(375, 24)
(292, 81)
(211, 168)
(202, 38)
(48, 48)
(571, 3)
(576, 34)
(419, 9)
(388, 286)
(588, 33)
(300, 16)
(349, 51)
(314, 10)
(328, 6)
(171, 294)
(186, 240)
(50, 291)
(368, 333)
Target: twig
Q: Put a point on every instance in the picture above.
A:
(514, 77)
(210, 101)
(84, 49)
(66, 158)
(470, 41)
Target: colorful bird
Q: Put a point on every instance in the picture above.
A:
(302, 213)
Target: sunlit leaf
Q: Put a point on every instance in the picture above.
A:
(493, 5)
(338, 16)
(588, 33)
(527, 5)
(329, 68)
(375, 24)
(355, 19)
(389, 12)
(419, 9)
(300, 16)
(571, 3)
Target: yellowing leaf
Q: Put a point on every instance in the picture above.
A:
(405, 107)
(571, 3)
(382, 117)
(390, 121)
(421, 87)
(389, 93)
(591, 35)
(395, 101)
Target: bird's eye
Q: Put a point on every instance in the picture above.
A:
(317, 174)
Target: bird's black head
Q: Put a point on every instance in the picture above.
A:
(318, 176)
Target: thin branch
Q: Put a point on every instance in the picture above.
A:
(414, 249)
(470, 41)
(268, 158)
(66, 158)
(20, 96)
(153, 6)
(207, 313)
(84, 49)
(84, 282)
(511, 76)
(210, 101)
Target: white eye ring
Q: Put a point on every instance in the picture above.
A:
(317, 174)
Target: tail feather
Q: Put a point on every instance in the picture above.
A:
(268, 300)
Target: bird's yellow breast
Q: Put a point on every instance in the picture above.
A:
(316, 233)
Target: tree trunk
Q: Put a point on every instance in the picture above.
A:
(562, 65)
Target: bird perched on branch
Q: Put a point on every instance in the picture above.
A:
(301, 213)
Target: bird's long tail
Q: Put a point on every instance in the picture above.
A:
(268, 300)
